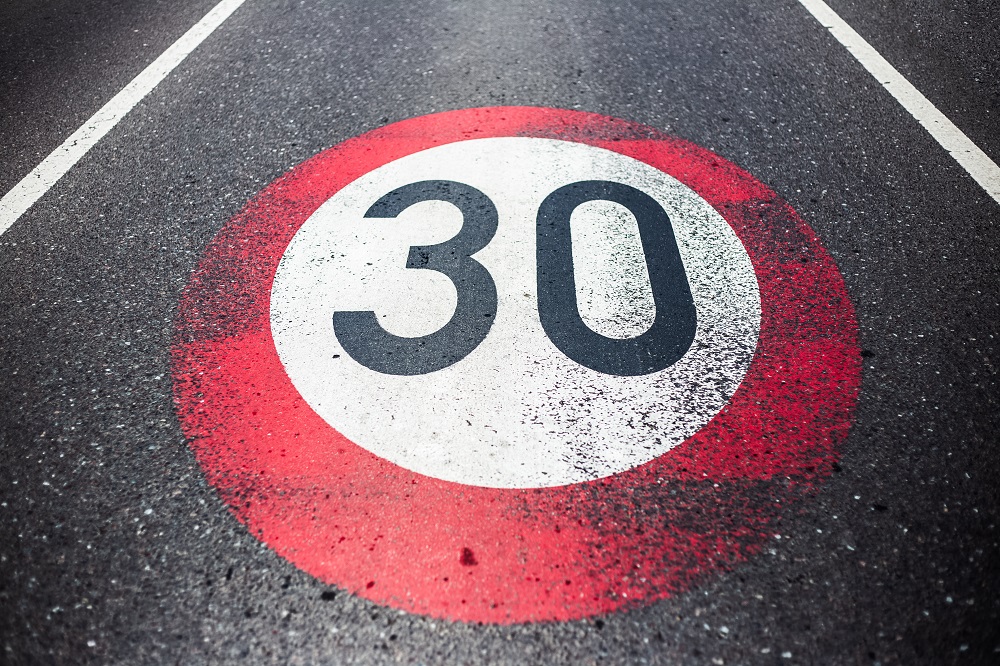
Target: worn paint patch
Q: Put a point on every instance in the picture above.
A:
(514, 554)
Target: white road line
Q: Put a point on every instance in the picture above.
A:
(62, 159)
(45, 175)
(966, 153)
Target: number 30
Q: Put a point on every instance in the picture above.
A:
(662, 345)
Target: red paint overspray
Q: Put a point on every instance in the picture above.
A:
(468, 553)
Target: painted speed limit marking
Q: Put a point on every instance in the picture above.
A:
(515, 364)
(496, 300)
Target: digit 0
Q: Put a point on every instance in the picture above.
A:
(675, 321)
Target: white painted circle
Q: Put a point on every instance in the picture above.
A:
(516, 412)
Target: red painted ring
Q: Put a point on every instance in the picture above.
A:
(469, 553)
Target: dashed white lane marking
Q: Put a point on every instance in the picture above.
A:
(969, 156)
(45, 175)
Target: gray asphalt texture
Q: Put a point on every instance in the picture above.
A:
(113, 549)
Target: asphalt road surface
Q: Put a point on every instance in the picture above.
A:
(115, 547)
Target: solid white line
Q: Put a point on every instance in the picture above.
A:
(966, 153)
(62, 159)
